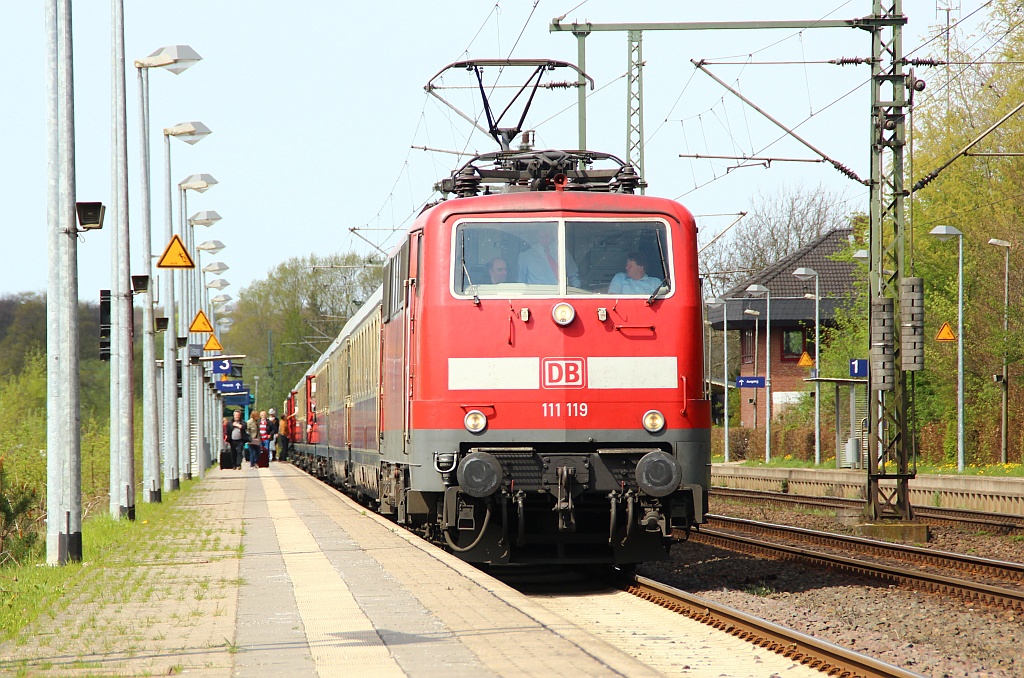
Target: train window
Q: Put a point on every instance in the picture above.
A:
(548, 258)
(508, 258)
(620, 258)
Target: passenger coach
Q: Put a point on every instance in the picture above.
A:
(501, 395)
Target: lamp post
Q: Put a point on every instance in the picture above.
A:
(174, 58)
(944, 233)
(1005, 381)
(759, 290)
(199, 183)
(757, 327)
(256, 378)
(202, 406)
(190, 133)
(806, 274)
(724, 303)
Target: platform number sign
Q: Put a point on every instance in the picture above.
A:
(858, 368)
(222, 367)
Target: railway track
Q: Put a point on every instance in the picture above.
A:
(885, 561)
(997, 522)
(830, 659)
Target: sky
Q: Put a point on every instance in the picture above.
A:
(315, 108)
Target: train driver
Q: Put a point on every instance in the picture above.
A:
(635, 279)
(497, 270)
(539, 264)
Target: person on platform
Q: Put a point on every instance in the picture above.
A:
(635, 279)
(236, 435)
(253, 429)
(539, 264)
(273, 429)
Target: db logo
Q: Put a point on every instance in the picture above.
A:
(563, 372)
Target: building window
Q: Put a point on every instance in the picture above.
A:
(747, 347)
(794, 343)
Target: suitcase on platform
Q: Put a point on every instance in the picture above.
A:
(263, 461)
(227, 458)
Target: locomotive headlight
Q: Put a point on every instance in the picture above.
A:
(475, 421)
(480, 474)
(658, 474)
(563, 313)
(654, 421)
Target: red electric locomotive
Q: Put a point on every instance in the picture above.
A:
(527, 385)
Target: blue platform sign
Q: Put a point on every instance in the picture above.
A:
(242, 400)
(749, 382)
(858, 368)
(222, 367)
(230, 386)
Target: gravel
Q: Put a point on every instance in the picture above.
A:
(921, 632)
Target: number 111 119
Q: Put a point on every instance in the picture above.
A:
(571, 409)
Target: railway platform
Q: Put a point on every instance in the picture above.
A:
(272, 572)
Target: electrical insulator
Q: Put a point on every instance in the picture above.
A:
(883, 336)
(912, 324)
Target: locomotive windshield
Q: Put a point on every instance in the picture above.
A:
(554, 258)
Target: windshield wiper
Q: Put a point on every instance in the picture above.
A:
(476, 299)
(664, 269)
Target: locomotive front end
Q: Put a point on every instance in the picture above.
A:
(570, 423)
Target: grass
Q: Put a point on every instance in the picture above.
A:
(32, 590)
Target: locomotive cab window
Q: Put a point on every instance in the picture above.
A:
(551, 258)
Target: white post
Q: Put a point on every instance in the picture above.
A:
(725, 371)
(54, 303)
(123, 292)
(184, 318)
(171, 458)
(817, 370)
(768, 376)
(150, 433)
(71, 437)
(960, 359)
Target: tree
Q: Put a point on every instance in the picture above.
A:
(776, 225)
(285, 321)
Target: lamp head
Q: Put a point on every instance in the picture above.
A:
(750, 311)
(999, 243)
(189, 132)
(805, 274)
(757, 289)
(944, 233)
(216, 268)
(174, 58)
(204, 218)
(861, 255)
(197, 182)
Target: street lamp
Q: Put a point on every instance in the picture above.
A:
(191, 133)
(806, 274)
(715, 302)
(759, 290)
(173, 58)
(944, 233)
(757, 327)
(1004, 383)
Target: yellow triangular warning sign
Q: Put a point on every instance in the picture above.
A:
(175, 255)
(806, 360)
(200, 323)
(945, 333)
(212, 344)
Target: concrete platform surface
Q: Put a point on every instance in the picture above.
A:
(277, 574)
